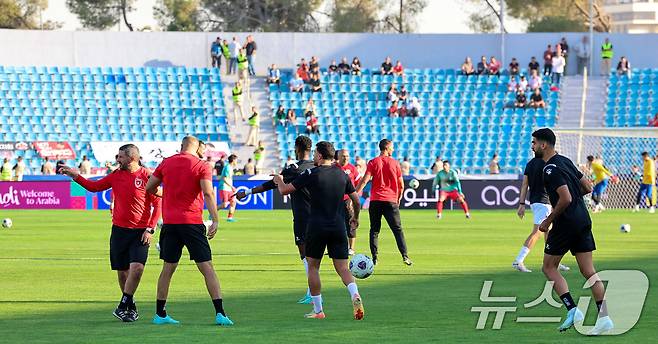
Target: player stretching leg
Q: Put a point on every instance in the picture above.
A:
(601, 175)
(539, 203)
(451, 188)
(327, 184)
(571, 229)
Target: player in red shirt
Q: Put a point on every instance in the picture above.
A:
(134, 219)
(385, 196)
(187, 182)
(343, 161)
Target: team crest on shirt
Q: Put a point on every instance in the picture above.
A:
(348, 172)
(139, 183)
(549, 171)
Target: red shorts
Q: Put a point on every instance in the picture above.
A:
(225, 195)
(453, 195)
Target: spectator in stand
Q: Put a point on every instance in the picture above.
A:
(315, 83)
(392, 93)
(437, 165)
(19, 169)
(249, 168)
(558, 68)
(312, 126)
(654, 122)
(280, 116)
(582, 54)
(413, 108)
(344, 67)
(536, 99)
(535, 80)
(467, 67)
(520, 100)
(310, 108)
(523, 83)
(85, 166)
(356, 66)
(403, 94)
(251, 48)
(624, 67)
(393, 109)
(273, 75)
(405, 166)
(216, 53)
(47, 168)
(483, 66)
(234, 47)
(565, 52)
(494, 166)
(333, 68)
(398, 69)
(314, 72)
(514, 67)
(296, 84)
(302, 71)
(533, 65)
(512, 85)
(494, 66)
(548, 60)
(291, 117)
(313, 63)
(387, 67)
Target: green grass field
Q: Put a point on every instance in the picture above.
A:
(56, 285)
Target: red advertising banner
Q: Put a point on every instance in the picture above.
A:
(54, 150)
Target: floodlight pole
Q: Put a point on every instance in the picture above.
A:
(502, 32)
(591, 37)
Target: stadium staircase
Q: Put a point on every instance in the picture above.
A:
(571, 95)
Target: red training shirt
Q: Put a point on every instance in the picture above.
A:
(182, 197)
(351, 171)
(132, 204)
(385, 172)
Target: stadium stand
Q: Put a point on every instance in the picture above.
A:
(80, 105)
(631, 101)
(464, 118)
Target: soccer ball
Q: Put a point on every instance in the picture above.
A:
(7, 223)
(414, 183)
(625, 228)
(361, 266)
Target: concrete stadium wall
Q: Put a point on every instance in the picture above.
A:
(87, 48)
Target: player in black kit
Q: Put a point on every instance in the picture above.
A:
(327, 184)
(300, 200)
(571, 230)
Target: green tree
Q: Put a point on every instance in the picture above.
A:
(101, 14)
(178, 15)
(402, 17)
(354, 16)
(24, 14)
(260, 15)
(556, 24)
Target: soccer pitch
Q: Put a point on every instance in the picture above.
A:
(56, 284)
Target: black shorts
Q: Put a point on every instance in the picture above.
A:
(333, 239)
(126, 247)
(349, 214)
(562, 239)
(300, 228)
(174, 237)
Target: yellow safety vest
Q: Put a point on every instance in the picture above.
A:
(6, 172)
(242, 62)
(606, 51)
(237, 94)
(254, 120)
(258, 153)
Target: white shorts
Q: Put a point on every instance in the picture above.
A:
(540, 212)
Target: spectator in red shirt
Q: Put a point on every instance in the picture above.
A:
(302, 70)
(134, 219)
(494, 66)
(188, 181)
(385, 197)
(654, 122)
(398, 69)
(343, 161)
(548, 60)
(393, 110)
(312, 126)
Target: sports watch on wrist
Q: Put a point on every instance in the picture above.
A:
(150, 230)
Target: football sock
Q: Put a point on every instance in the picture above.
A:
(219, 308)
(353, 289)
(439, 207)
(132, 305)
(465, 207)
(126, 300)
(160, 308)
(305, 262)
(317, 303)
(568, 301)
(522, 254)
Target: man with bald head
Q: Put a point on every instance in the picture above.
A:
(343, 161)
(134, 219)
(188, 181)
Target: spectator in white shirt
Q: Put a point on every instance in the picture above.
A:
(523, 83)
(234, 49)
(558, 68)
(413, 108)
(535, 81)
(296, 84)
(582, 53)
(274, 75)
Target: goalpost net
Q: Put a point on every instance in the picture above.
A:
(619, 149)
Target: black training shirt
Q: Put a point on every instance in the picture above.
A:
(559, 171)
(533, 170)
(300, 200)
